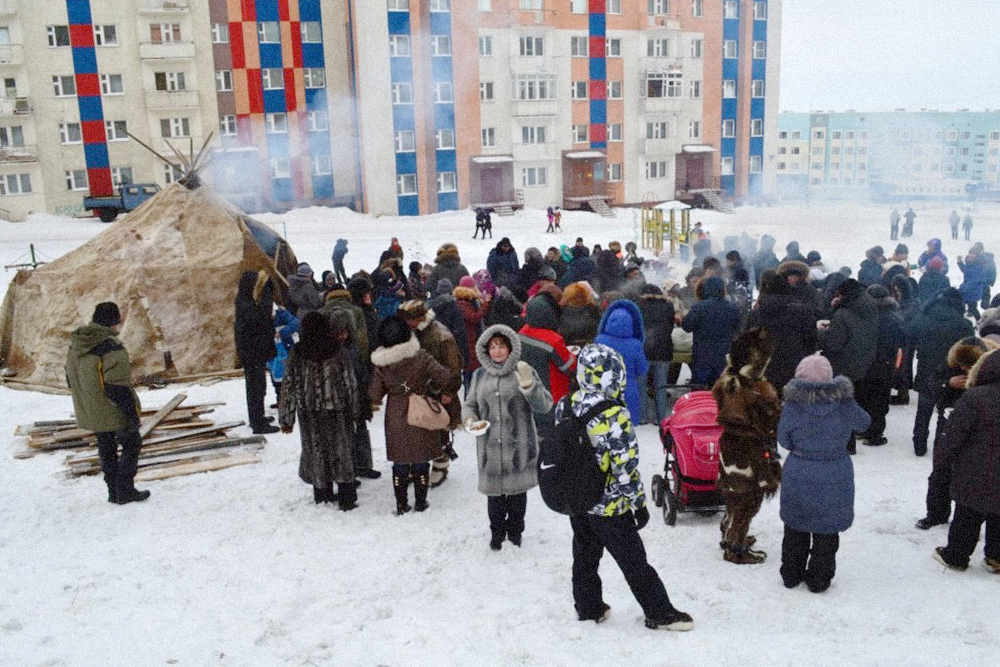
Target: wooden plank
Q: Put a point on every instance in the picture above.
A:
(200, 466)
(199, 431)
(171, 448)
(161, 414)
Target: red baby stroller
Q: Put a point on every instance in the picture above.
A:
(690, 439)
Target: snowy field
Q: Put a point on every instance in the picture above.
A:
(239, 567)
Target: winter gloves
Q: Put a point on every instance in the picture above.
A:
(641, 517)
(525, 376)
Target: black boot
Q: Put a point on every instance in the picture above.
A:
(420, 492)
(400, 485)
(132, 495)
(319, 495)
(347, 497)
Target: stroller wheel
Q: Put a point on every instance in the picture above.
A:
(670, 511)
(657, 490)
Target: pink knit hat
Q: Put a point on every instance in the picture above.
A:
(814, 368)
(467, 281)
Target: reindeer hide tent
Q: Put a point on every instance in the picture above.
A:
(172, 266)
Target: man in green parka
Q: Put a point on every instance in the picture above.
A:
(99, 375)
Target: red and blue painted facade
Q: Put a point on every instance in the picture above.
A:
(598, 85)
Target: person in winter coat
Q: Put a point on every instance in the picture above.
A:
(581, 267)
(531, 271)
(394, 251)
(972, 451)
(658, 318)
(303, 294)
(286, 332)
(473, 307)
(545, 277)
(796, 274)
(402, 368)
(342, 325)
(391, 292)
(448, 265)
(748, 468)
(545, 351)
(321, 390)
(340, 300)
(446, 311)
(687, 294)
(254, 333)
(581, 314)
(953, 221)
(933, 281)
(100, 377)
(933, 251)
(850, 339)
(792, 253)
(870, 272)
(623, 330)
(817, 272)
(962, 357)
(339, 252)
(360, 289)
(554, 259)
(901, 289)
(990, 278)
(973, 269)
(608, 276)
(877, 384)
(714, 321)
(790, 324)
(503, 265)
(507, 393)
(614, 523)
(910, 216)
(900, 258)
(416, 282)
(818, 416)
(765, 257)
(967, 226)
(738, 287)
(939, 325)
(894, 224)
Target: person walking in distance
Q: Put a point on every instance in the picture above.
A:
(100, 377)
(910, 216)
(894, 224)
(966, 226)
(953, 221)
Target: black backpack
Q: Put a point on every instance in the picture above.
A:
(569, 477)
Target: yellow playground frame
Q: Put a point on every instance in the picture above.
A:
(656, 228)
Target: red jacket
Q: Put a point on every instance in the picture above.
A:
(473, 309)
(546, 352)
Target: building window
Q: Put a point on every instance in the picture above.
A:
(757, 88)
(656, 169)
(796, 135)
(614, 131)
(535, 87)
(76, 179)
(579, 47)
(486, 91)
(658, 48)
(269, 32)
(485, 46)
(441, 45)
(15, 184)
(12, 137)
(440, 5)
(276, 123)
(578, 90)
(447, 181)
(223, 80)
(994, 136)
(116, 130)
(169, 81)
(657, 6)
(317, 121)
(783, 135)
(760, 49)
(818, 150)
(172, 128)
(531, 4)
(534, 177)
(165, 33)
(697, 48)
(726, 166)
(694, 129)
(730, 9)
(281, 167)
(314, 77)
(729, 48)
(819, 134)
(58, 35)
(533, 134)
(273, 78)
(951, 135)
(171, 174)
(111, 84)
(532, 46)
(485, 5)
(695, 89)
(227, 125)
(614, 90)
(402, 93)
(783, 150)
(796, 150)
(406, 184)
(697, 8)
(760, 11)
(613, 48)
(121, 176)
(728, 128)
(580, 134)
(614, 172)
(64, 86)
(835, 150)
(658, 130)
(664, 84)
(321, 165)
(69, 133)
(399, 45)
(578, 6)
(444, 92)
(614, 6)
(756, 127)
(444, 140)
(398, 5)
(489, 137)
(220, 33)
(105, 35)
(405, 142)
(729, 88)
(312, 32)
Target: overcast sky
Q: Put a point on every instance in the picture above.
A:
(873, 55)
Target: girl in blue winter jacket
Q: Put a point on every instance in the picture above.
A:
(817, 486)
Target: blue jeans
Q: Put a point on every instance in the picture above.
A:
(656, 411)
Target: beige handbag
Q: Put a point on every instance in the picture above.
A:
(426, 413)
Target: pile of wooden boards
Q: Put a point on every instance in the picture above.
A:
(175, 441)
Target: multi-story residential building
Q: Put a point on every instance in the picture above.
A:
(925, 154)
(391, 106)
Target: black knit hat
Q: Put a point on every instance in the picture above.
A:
(107, 314)
(953, 299)
(393, 331)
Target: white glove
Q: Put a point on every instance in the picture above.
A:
(525, 376)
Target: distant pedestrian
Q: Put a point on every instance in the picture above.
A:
(339, 251)
(910, 216)
(894, 224)
(953, 221)
(550, 214)
(557, 218)
(480, 223)
(966, 226)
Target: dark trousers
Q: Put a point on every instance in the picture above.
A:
(338, 270)
(938, 494)
(954, 233)
(963, 535)
(872, 394)
(119, 470)
(922, 423)
(972, 308)
(675, 372)
(809, 557)
(903, 379)
(256, 384)
(985, 303)
(618, 534)
(362, 448)
(507, 515)
(410, 471)
(968, 231)
(706, 375)
(894, 232)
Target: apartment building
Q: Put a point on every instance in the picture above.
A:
(924, 154)
(391, 106)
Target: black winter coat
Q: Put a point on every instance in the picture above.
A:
(851, 339)
(447, 313)
(891, 338)
(793, 328)
(937, 327)
(253, 327)
(714, 322)
(581, 268)
(870, 272)
(578, 324)
(504, 309)
(658, 318)
(931, 284)
(503, 267)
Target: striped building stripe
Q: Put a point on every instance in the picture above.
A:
(88, 93)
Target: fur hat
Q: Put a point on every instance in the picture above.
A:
(850, 290)
(878, 292)
(107, 314)
(985, 370)
(415, 267)
(966, 352)
(448, 251)
(578, 294)
(936, 264)
(393, 331)
(793, 268)
(814, 368)
(414, 309)
(304, 270)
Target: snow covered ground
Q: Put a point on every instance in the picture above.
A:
(239, 567)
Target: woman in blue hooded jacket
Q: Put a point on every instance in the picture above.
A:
(622, 329)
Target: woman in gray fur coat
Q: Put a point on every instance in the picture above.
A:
(506, 392)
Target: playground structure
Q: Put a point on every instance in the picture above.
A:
(669, 222)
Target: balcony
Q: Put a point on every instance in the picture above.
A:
(166, 51)
(14, 106)
(528, 108)
(162, 6)
(11, 54)
(18, 154)
(539, 152)
(177, 99)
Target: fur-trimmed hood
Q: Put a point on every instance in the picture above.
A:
(986, 371)
(818, 393)
(387, 356)
(467, 294)
(794, 267)
(447, 252)
(966, 352)
(483, 352)
(338, 294)
(578, 294)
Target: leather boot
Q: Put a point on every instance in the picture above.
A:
(420, 492)
(400, 485)
(347, 496)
